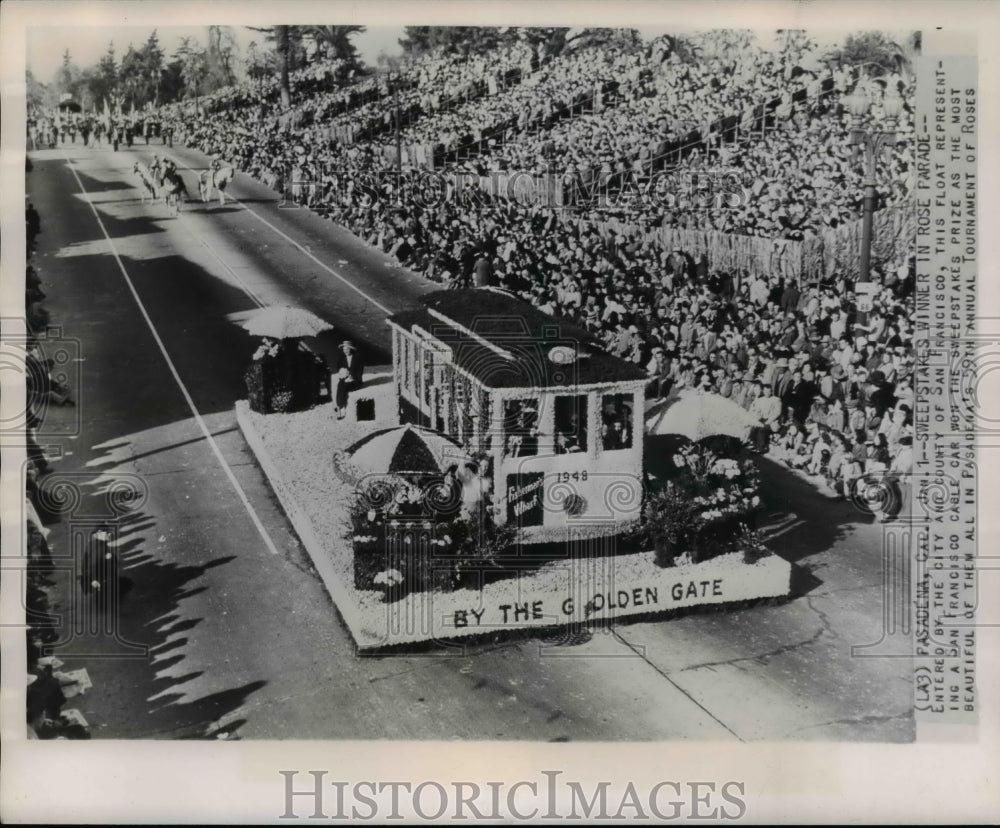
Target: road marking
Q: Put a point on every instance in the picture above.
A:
(177, 377)
(288, 238)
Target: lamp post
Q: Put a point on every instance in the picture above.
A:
(871, 142)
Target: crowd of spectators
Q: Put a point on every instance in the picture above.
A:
(662, 99)
(558, 88)
(48, 687)
(834, 382)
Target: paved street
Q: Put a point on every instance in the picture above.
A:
(241, 634)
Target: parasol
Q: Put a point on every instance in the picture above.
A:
(283, 322)
(406, 449)
(697, 414)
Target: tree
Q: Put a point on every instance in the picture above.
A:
(288, 49)
(283, 50)
(552, 39)
(334, 42)
(172, 82)
(463, 40)
(627, 39)
(39, 96)
(152, 65)
(194, 67)
(67, 75)
(100, 83)
(132, 77)
(878, 53)
(219, 58)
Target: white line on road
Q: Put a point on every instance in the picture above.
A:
(288, 238)
(173, 370)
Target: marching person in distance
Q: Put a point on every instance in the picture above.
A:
(350, 369)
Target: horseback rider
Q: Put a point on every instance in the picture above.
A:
(219, 176)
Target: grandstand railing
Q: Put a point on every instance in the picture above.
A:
(814, 258)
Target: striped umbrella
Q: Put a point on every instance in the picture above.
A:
(283, 322)
(697, 414)
(405, 449)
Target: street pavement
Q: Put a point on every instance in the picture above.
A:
(227, 628)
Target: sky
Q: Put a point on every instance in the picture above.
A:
(86, 46)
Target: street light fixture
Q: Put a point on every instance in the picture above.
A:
(871, 142)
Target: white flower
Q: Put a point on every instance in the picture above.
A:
(390, 577)
(371, 515)
(755, 501)
(679, 460)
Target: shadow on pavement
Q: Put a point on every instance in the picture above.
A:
(820, 521)
(146, 694)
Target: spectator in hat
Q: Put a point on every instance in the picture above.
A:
(790, 298)
(785, 388)
(767, 410)
(350, 369)
(880, 392)
(659, 370)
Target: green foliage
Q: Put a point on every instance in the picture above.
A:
(628, 39)
(194, 66)
(705, 508)
(459, 548)
(334, 42)
(878, 53)
(452, 39)
(39, 96)
(67, 76)
(478, 40)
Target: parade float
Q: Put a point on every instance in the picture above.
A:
(499, 478)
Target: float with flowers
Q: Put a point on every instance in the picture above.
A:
(502, 487)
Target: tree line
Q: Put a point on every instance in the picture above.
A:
(148, 76)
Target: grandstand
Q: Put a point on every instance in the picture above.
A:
(730, 291)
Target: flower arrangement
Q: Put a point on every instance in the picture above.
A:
(704, 509)
(267, 348)
(392, 529)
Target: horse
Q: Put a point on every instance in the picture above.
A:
(220, 178)
(146, 180)
(173, 187)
